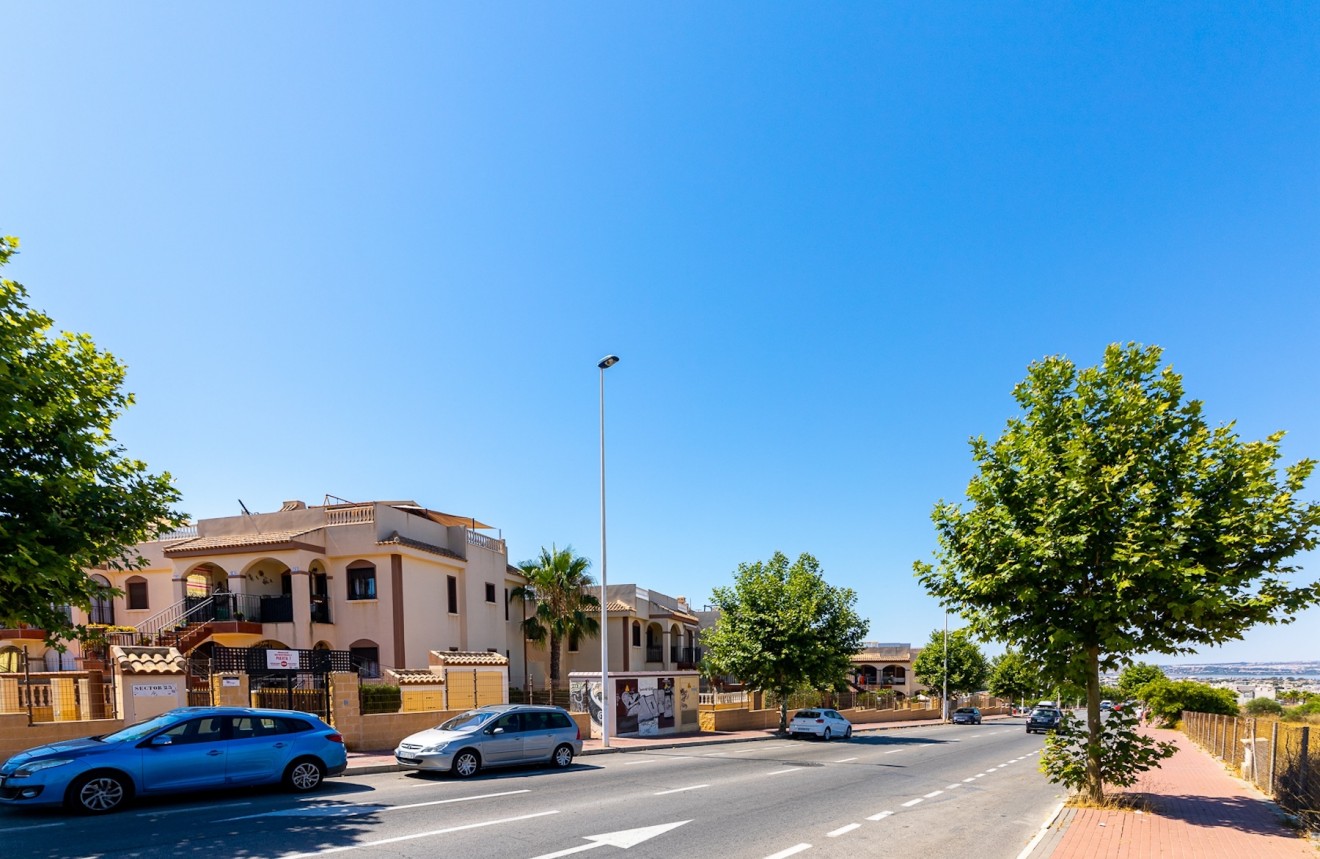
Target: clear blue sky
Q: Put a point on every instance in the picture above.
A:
(377, 251)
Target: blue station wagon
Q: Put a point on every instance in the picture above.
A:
(191, 748)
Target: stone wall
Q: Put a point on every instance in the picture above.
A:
(16, 734)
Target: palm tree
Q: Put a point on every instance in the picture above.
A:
(556, 583)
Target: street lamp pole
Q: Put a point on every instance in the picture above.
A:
(606, 699)
(946, 665)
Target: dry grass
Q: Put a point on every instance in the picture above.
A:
(1111, 802)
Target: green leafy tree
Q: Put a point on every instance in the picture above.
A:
(1263, 707)
(1014, 677)
(968, 669)
(1123, 752)
(1134, 676)
(782, 628)
(563, 610)
(70, 497)
(1167, 699)
(1110, 520)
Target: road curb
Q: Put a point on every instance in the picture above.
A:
(1044, 830)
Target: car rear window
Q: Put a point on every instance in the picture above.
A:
(807, 714)
(964, 710)
(559, 720)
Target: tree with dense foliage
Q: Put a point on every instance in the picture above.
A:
(782, 628)
(968, 669)
(1263, 707)
(1136, 675)
(562, 608)
(1167, 699)
(1109, 520)
(1013, 677)
(70, 497)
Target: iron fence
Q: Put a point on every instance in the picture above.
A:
(1281, 759)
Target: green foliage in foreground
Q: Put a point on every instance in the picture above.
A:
(1263, 707)
(1123, 752)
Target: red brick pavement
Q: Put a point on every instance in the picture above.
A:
(1197, 809)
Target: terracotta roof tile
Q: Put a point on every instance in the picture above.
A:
(234, 541)
(615, 607)
(395, 540)
(416, 677)
(467, 657)
(148, 660)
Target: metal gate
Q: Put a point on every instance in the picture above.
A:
(287, 679)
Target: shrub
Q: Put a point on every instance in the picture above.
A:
(381, 698)
(1263, 707)
(1167, 699)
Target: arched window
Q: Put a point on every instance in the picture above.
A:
(365, 655)
(361, 580)
(103, 607)
(637, 633)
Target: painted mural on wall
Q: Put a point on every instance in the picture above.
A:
(584, 697)
(644, 705)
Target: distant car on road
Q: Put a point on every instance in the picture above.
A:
(188, 749)
(819, 722)
(494, 735)
(1043, 719)
(967, 716)
(1106, 704)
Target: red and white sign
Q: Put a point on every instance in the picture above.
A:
(284, 659)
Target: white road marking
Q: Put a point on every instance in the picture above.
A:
(681, 789)
(37, 826)
(933, 794)
(952, 786)
(845, 760)
(893, 751)
(796, 848)
(624, 839)
(417, 835)
(647, 761)
(715, 754)
(881, 816)
(781, 772)
(912, 802)
(843, 830)
(968, 779)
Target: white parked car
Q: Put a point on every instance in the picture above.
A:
(819, 722)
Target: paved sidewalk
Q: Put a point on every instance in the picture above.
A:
(1196, 809)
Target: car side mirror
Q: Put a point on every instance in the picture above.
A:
(162, 740)
(497, 730)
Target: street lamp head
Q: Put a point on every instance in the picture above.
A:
(608, 361)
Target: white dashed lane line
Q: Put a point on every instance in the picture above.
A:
(843, 830)
(680, 789)
(933, 794)
(912, 802)
(796, 848)
(781, 772)
(881, 816)
(845, 760)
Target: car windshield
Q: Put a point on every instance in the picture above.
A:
(964, 710)
(807, 714)
(465, 721)
(139, 730)
(1042, 714)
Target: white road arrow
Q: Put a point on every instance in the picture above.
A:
(625, 839)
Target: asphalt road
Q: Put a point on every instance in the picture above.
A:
(938, 791)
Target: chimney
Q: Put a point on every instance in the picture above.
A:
(289, 506)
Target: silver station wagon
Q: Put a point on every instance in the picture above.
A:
(493, 736)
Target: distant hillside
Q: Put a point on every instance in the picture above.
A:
(1305, 670)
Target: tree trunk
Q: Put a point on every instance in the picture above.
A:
(783, 713)
(554, 666)
(1095, 787)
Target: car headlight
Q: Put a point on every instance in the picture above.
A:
(430, 750)
(29, 768)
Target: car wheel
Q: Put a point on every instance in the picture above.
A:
(99, 793)
(827, 735)
(563, 756)
(847, 735)
(466, 764)
(303, 775)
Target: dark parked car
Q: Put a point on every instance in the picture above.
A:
(1043, 719)
(967, 716)
(192, 748)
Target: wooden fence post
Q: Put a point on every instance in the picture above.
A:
(1274, 755)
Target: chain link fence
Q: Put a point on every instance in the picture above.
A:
(1281, 759)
